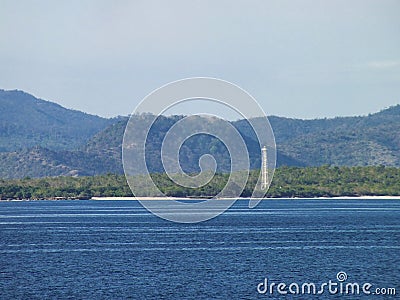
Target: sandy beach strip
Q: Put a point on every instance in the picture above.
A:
(295, 198)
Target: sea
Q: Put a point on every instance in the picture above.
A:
(87, 249)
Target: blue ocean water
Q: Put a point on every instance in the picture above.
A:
(118, 250)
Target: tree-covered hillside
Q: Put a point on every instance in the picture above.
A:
(39, 138)
(26, 121)
(102, 154)
(350, 141)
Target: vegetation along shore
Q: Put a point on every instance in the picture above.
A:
(288, 182)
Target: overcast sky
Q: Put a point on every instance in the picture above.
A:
(303, 59)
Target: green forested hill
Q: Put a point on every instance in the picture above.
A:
(26, 121)
(109, 142)
(39, 138)
(102, 154)
(41, 162)
(370, 140)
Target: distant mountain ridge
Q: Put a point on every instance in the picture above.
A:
(368, 140)
(58, 141)
(27, 121)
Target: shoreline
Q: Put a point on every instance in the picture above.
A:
(294, 198)
(196, 199)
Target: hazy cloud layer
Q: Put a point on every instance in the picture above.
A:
(298, 58)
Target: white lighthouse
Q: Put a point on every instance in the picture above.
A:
(264, 168)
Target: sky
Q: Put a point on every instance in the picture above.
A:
(299, 59)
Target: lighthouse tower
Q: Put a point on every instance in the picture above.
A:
(264, 168)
